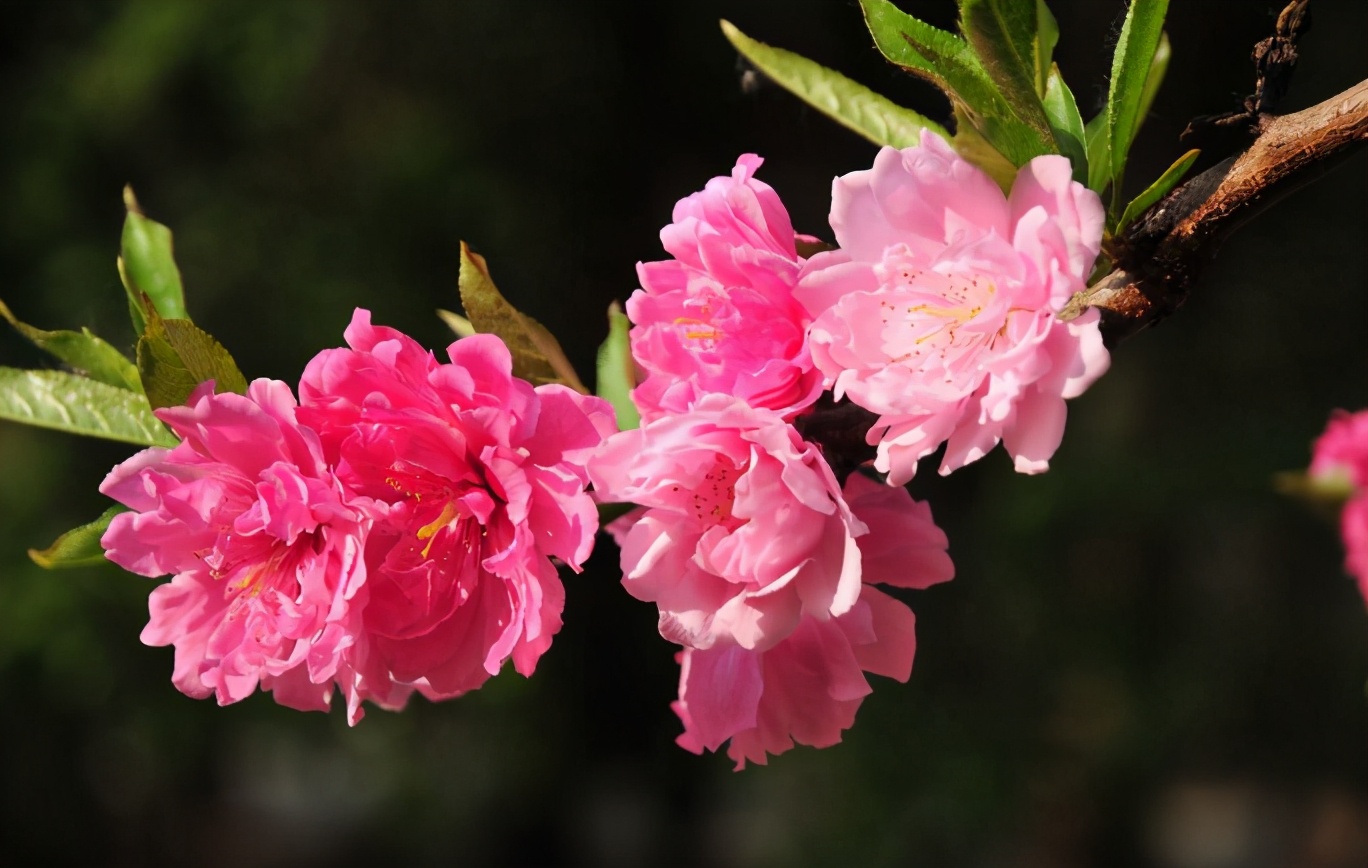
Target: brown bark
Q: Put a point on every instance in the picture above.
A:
(1158, 257)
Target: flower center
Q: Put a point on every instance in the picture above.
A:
(711, 501)
(448, 516)
(700, 330)
(933, 320)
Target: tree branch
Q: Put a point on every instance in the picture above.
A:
(1160, 255)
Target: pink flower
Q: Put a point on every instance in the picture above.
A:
(808, 687)
(265, 546)
(1354, 528)
(743, 529)
(1340, 458)
(393, 534)
(720, 316)
(939, 312)
(480, 482)
(1341, 452)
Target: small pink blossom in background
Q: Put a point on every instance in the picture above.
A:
(265, 546)
(742, 529)
(1341, 452)
(480, 478)
(1340, 457)
(720, 316)
(808, 687)
(939, 310)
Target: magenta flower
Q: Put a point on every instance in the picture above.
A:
(808, 687)
(1341, 452)
(480, 481)
(393, 533)
(265, 546)
(742, 530)
(720, 316)
(1340, 459)
(939, 312)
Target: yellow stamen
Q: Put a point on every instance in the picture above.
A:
(429, 531)
(709, 332)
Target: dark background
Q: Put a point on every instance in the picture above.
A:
(1149, 657)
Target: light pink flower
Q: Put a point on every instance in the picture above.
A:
(720, 316)
(1340, 458)
(939, 310)
(808, 687)
(265, 546)
(743, 529)
(481, 481)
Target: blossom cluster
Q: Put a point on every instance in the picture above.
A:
(390, 532)
(1340, 461)
(397, 527)
(939, 313)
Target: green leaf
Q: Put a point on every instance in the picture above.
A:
(1004, 35)
(849, 103)
(972, 146)
(1099, 153)
(78, 547)
(1136, 49)
(537, 355)
(175, 356)
(932, 53)
(83, 351)
(1066, 124)
(1159, 189)
(1155, 77)
(949, 63)
(609, 512)
(1047, 37)
(617, 371)
(1324, 495)
(77, 405)
(147, 267)
(459, 325)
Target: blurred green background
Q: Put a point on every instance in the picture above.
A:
(1149, 657)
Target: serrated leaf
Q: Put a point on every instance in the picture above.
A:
(1135, 52)
(147, 266)
(459, 325)
(849, 103)
(537, 355)
(1004, 34)
(83, 351)
(78, 547)
(1066, 124)
(617, 371)
(930, 52)
(78, 405)
(175, 356)
(1159, 189)
(949, 63)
